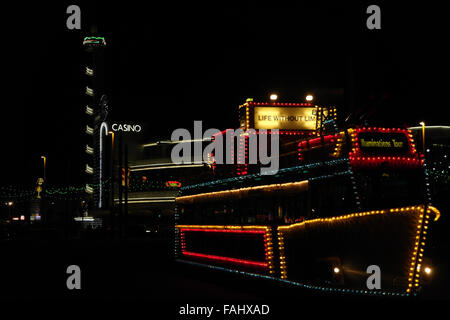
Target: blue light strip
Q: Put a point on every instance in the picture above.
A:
(259, 175)
(336, 130)
(177, 244)
(301, 285)
(427, 183)
(354, 187)
(327, 176)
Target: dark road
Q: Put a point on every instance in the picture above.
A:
(132, 269)
(142, 270)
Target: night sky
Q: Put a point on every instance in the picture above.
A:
(170, 64)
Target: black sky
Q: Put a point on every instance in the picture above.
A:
(170, 64)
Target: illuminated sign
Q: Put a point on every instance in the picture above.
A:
(39, 183)
(173, 184)
(383, 143)
(118, 127)
(290, 118)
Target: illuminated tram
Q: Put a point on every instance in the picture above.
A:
(341, 204)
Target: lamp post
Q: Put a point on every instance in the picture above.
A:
(309, 97)
(9, 204)
(111, 183)
(112, 139)
(423, 137)
(44, 188)
(45, 164)
(427, 190)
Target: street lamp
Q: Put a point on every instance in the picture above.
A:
(111, 179)
(423, 136)
(309, 97)
(45, 163)
(9, 204)
(112, 138)
(273, 97)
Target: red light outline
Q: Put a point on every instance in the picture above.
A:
(223, 230)
(314, 142)
(410, 159)
(221, 258)
(226, 259)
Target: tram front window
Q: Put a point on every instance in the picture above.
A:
(389, 188)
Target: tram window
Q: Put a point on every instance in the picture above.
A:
(388, 188)
(293, 208)
(331, 197)
(253, 210)
(188, 214)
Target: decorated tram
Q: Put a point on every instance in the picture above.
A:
(343, 203)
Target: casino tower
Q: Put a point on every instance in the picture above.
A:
(96, 113)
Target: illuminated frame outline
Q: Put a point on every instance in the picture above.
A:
(299, 186)
(250, 103)
(414, 265)
(268, 245)
(357, 157)
(269, 104)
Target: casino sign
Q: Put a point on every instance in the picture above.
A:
(125, 127)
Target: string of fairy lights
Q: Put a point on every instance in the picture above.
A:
(23, 194)
(300, 169)
(142, 184)
(439, 171)
(303, 285)
(27, 193)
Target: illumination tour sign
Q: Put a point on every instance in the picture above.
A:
(377, 142)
